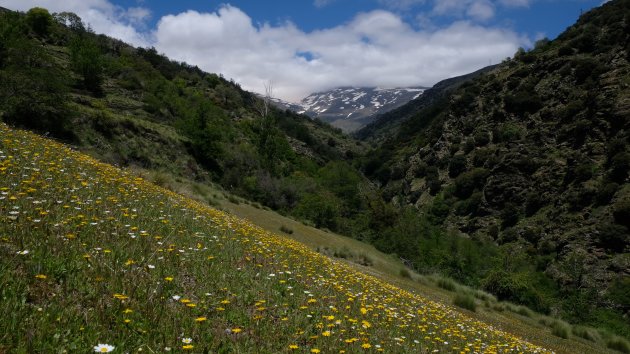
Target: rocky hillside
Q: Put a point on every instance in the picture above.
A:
(387, 124)
(351, 108)
(533, 157)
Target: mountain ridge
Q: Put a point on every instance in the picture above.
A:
(351, 108)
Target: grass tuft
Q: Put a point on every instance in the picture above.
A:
(560, 329)
(618, 343)
(446, 283)
(466, 301)
(586, 333)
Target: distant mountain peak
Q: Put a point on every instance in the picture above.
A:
(351, 108)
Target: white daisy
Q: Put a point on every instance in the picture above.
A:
(103, 348)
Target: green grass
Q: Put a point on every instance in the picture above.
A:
(362, 257)
(619, 344)
(561, 329)
(91, 254)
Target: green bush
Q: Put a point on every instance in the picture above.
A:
(482, 138)
(613, 237)
(606, 192)
(507, 132)
(467, 182)
(457, 165)
(470, 205)
(621, 211)
(523, 102)
(465, 301)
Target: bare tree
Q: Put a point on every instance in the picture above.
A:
(263, 106)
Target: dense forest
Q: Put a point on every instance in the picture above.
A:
(514, 180)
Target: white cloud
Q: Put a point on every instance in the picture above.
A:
(101, 15)
(374, 49)
(481, 10)
(478, 10)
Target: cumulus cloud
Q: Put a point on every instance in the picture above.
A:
(374, 49)
(101, 15)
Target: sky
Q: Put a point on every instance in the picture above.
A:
(306, 46)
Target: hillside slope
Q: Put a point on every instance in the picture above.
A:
(91, 254)
(387, 124)
(530, 160)
(134, 107)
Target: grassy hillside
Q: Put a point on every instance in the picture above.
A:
(134, 107)
(526, 167)
(92, 254)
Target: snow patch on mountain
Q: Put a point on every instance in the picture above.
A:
(351, 108)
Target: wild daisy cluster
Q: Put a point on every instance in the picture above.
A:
(106, 256)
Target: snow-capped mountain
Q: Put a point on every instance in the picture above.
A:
(351, 108)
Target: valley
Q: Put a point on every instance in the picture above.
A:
(138, 190)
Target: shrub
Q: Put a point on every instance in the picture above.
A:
(619, 166)
(606, 192)
(523, 102)
(509, 215)
(466, 183)
(621, 211)
(482, 138)
(465, 301)
(457, 166)
(613, 237)
(507, 132)
(286, 230)
(470, 205)
(560, 329)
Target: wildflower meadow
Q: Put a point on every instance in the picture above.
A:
(95, 259)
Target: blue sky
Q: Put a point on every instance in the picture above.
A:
(533, 18)
(313, 45)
